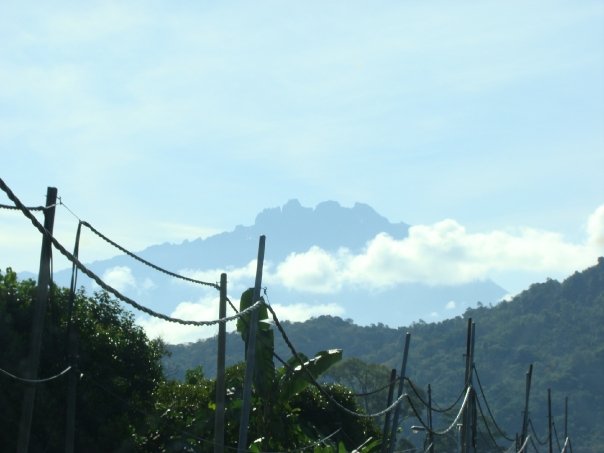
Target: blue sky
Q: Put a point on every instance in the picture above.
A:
(160, 122)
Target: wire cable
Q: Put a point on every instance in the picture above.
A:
(453, 423)
(539, 441)
(434, 407)
(29, 208)
(556, 434)
(486, 424)
(319, 387)
(489, 408)
(533, 444)
(144, 261)
(104, 285)
(35, 381)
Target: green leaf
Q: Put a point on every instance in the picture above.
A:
(295, 381)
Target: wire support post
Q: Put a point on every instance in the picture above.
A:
(43, 289)
(250, 358)
(220, 371)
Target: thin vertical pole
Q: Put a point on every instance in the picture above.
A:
(43, 289)
(465, 444)
(549, 420)
(220, 370)
(397, 411)
(72, 354)
(527, 393)
(430, 435)
(387, 418)
(251, 353)
(472, 395)
(565, 418)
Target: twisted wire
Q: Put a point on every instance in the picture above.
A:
(489, 408)
(533, 444)
(453, 423)
(566, 443)
(30, 208)
(144, 261)
(486, 424)
(104, 285)
(556, 433)
(433, 406)
(360, 395)
(539, 441)
(35, 381)
(319, 387)
(525, 443)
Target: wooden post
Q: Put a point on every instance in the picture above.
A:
(565, 418)
(387, 418)
(527, 393)
(549, 420)
(472, 396)
(397, 411)
(43, 289)
(72, 353)
(220, 367)
(250, 358)
(465, 442)
(429, 408)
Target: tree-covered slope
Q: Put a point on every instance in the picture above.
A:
(555, 326)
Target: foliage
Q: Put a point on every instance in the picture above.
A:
(555, 326)
(119, 366)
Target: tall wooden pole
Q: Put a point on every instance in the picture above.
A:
(397, 411)
(465, 432)
(525, 414)
(549, 420)
(387, 418)
(472, 396)
(250, 358)
(43, 289)
(220, 369)
(565, 418)
(429, 408)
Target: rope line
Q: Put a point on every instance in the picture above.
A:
(35, 381)
(523, 446)
(556, 434)
(535, 433)
(486, 424)
(30, 208)
(433, 406)
(360, 395)
(533, 444)
(453, 423)
(144, 261)
(489, 408)
(566, 441)
(104, 285)
(319, 387)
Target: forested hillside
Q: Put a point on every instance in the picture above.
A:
(555, 326)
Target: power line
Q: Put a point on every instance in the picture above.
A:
(104, 285)
(539, 441)
(144, 261)
(489, 408)
(314, 382)
(35, 381)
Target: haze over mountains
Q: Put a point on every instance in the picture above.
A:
(327, 260)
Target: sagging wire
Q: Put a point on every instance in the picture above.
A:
(35, 381)
(488, 407)
(104, 285)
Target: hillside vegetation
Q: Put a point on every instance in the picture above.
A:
(555, 326)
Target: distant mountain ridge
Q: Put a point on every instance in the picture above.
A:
(289, 229)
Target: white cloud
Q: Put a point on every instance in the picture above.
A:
(205, 309)
(441, 253)
(238, 278)
(120, 278)
(303, 312)
(450, 305)
(595, 228)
